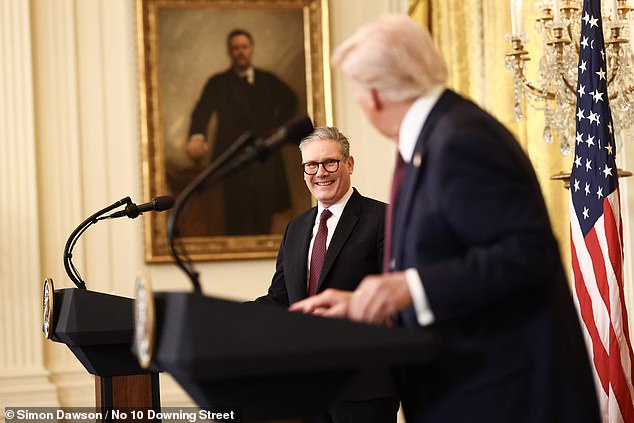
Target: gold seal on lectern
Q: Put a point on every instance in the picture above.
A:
(144, 321)
(48, 302)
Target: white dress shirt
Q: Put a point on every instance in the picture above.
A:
(249, 74)
(408, 134)
(336, 210)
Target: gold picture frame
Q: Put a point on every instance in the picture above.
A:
(181, 43)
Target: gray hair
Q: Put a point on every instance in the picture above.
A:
(394, 55)
(325, 133)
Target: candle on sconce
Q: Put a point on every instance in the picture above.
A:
(615, 9)
(516, 18)
(556, 17)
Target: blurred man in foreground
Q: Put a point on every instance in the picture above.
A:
(470, 251)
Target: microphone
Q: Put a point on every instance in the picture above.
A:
(260, 149)
(246, 149)
(160, 203)
(293, 132)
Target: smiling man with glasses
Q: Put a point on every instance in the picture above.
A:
(334, 245)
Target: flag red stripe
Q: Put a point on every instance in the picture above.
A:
(599, 354)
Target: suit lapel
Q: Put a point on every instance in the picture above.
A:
(414, 168)
(347, 222)
(300, 272)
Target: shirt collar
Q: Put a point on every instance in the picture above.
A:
(249, 74)
(414, 120)
(337, 208)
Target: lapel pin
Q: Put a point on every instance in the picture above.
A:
(417, 160)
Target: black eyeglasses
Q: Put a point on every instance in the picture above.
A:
(330, 165)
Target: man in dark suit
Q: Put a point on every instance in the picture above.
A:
(334, 245)
(245, 98)
(472, 254)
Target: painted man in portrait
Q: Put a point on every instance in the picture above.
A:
(240, 99)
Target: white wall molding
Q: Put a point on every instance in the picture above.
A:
(60, 185)
(373, 153)
(23, 377)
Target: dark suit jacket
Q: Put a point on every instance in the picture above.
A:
(259, 108)
(355, 250)
(471, 219)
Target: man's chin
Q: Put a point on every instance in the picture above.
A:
(325, 191)
(326, 197)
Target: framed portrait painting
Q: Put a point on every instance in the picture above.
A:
(211, 71)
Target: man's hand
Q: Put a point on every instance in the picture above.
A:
(330, 303)
(376, 300)
(379, 297)
(196, 146)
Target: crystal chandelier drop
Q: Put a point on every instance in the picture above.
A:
(554, 92)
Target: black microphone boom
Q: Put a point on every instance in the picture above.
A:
(71, 270)
(294, 132)
(260, 149)
(160, 203)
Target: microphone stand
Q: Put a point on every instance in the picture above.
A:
(71, 270)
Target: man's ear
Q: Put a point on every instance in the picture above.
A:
(375, 100)
(350, 163)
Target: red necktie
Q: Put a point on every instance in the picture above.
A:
(397, 181)
(319, 252)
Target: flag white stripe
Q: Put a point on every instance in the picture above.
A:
(613, 410)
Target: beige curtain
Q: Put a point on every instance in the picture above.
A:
(471, 37)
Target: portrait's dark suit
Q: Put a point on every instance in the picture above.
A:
(355, 250)
(471, 219)
(253, 194)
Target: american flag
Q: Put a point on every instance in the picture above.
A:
(596, 229)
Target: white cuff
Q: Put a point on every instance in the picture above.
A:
(197, 136)
(424, 314)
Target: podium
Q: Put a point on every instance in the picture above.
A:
(98, 329)
(267, 362)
